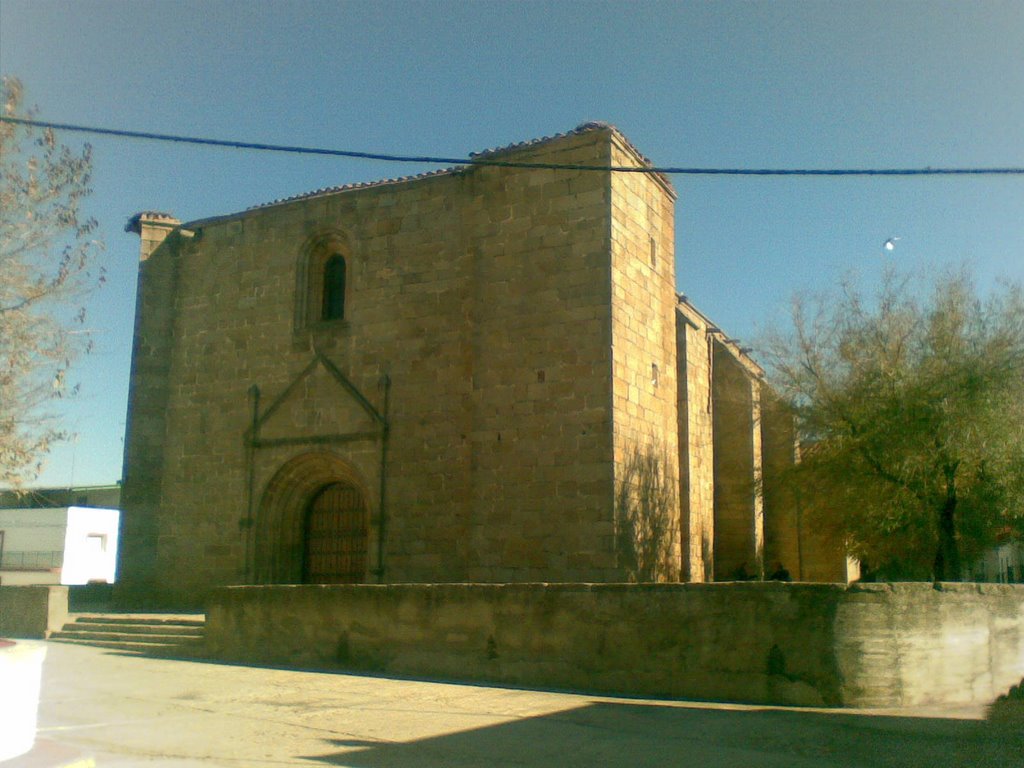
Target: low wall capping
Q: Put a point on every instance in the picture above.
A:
(864, 645)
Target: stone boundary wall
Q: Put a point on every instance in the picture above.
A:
(32, 611)
(871, 645)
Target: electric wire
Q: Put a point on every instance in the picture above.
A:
(490, 162)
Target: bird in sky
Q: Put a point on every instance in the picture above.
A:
(890, 244)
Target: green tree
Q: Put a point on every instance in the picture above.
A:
(912, 415)
(47, 267)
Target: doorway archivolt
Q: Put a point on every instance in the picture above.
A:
(312, 523)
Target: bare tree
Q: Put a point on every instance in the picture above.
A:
(647, 516)
(912, 410)
(47, 267)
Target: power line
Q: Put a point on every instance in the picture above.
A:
(481, 161)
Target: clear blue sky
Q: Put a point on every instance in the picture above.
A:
(726, 84)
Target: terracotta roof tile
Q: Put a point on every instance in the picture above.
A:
(484, 154)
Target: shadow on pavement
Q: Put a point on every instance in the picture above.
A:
(622, 735)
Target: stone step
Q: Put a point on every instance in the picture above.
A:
(140, 620)
(72, 633)
(163, 635)
(188, 650)
(189, 630)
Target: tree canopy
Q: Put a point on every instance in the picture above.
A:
(911, 412)
(48, 257)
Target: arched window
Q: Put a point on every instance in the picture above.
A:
(325, 274)
(333, 307)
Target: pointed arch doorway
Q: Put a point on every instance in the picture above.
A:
(335, 536)
(313, 524)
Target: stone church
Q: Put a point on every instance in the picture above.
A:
(441, 378)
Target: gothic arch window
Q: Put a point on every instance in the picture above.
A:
(323, 280)
(333, 304)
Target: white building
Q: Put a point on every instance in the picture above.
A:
(62, 545)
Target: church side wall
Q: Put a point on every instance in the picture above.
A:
(145, 456)
(644, 368)
(783, 527)
(537, 332)
(696, 462)
(738, 511)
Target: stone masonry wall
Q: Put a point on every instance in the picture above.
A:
(800, 644)
(783, 527)
(32, 611)
(538, 464)
(483, 295)
(643, 323)
(696, 463)
(150, 386)
(739, 513)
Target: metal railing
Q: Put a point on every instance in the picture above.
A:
(31, 560)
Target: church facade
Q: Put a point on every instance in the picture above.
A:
(445, 378)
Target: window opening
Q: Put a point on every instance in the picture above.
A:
(334, 288)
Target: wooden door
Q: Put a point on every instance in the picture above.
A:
(336, 536)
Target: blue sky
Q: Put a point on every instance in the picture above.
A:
(725, 84)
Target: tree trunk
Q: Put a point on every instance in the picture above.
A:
(947, 558)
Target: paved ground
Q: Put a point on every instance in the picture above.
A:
(104, 709)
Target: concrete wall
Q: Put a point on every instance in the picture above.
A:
(65, 545)
(32, 611)
(913, 644)
(33, 546)
(90, 546)
(807, 644)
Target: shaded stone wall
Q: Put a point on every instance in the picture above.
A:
(783, 528)
(739, 509)
(873, 645)
(149, 390)
(32, 611)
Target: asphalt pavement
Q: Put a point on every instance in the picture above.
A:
(101, 708)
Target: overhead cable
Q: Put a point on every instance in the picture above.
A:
(485, 161)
